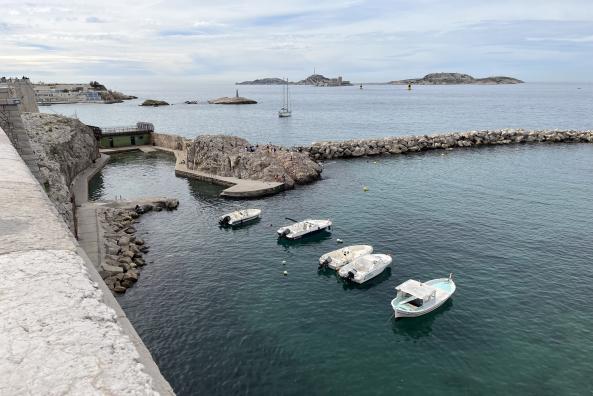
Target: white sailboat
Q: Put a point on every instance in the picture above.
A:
(285, 110)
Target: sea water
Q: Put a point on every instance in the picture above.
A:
(513, 224)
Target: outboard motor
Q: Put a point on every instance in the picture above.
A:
(224, 221)
(325, 262)
(285, 233)
(350, 275)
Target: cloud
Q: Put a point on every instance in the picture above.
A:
(581, 39)
(93, 19)
(35, 46)
(377, 40)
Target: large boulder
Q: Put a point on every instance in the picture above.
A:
(235, 157)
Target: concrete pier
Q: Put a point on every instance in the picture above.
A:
(237, 188)
(62, 331)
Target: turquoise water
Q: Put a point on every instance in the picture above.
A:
(514, 224)
(324, 113)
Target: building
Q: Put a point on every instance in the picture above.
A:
(47, 94)
(138, 135)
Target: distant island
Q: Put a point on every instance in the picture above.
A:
(317, 80)
(235, 100)
(456, 78)
(154, 102)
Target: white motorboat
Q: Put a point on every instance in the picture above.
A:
(338, 258)
(302, 228)
(365, 267)
(415, 298)
(239, 217)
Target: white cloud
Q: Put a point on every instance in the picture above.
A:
(234, 39)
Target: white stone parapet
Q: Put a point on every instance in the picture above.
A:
(61, 330)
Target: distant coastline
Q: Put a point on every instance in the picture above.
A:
(317, 80)
(456, 79)
(429, 79)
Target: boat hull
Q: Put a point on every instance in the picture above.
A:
(242, 221)
(338, 258)
(299, 230)
(398, 313)
(239, 217)
(358, 272)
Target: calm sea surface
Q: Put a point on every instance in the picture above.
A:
(349, 112)
(514, 224)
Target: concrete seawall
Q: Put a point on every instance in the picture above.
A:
(411, 144)
(62, 331)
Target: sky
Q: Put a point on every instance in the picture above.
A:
(231, 40)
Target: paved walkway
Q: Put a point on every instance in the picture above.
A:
(237, 188)
(86, 212)
(125, 149)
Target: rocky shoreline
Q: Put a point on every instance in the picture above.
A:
(232, 156)
(124, 251)
(411, 144)
(64, 147)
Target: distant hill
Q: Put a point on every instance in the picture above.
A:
(314, 79)
(265, 81)
(457, 78)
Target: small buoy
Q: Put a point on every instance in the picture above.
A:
(365, 189)
(374, 162)
(285, 273)
(339, 240)
(283, 261)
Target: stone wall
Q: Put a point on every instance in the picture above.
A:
(171, 142)
(411, 144)
(23, 90)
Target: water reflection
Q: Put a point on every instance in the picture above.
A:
(421, 326)
(96, 187)
(203, 191)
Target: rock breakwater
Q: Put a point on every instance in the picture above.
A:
(233, 156)
(411, 144)
(123, 249)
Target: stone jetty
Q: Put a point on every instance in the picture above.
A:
(123, 251)
(412, 144)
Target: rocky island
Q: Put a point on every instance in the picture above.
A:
(318, 80)
(236, 100)
(264, 81)
(232, 156)
(456, 79)
(153, 102)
